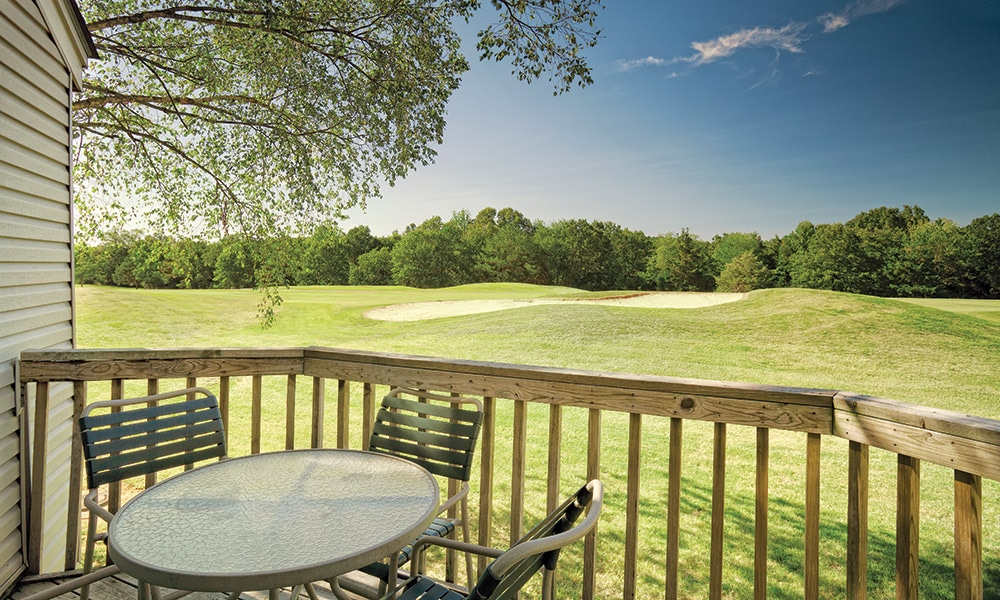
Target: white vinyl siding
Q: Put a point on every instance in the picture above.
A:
(35, 264)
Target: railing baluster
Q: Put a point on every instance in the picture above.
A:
(632, 503)
(857, 521)
(115, 489)
(517, 468)
(318, 405)
(718, 511)
(968, 536)
(290, 413)
(673, 506)
(343, 412)
(367, 414)
(760, 514)
(907, 526)
(812, 516)
(554, 475)
(487, 437)
(224, 404)
(593, 472)
(152, 388)
(256, 399)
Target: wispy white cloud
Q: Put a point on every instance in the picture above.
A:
(649, 61)
(785, 39)
(858, 8)
(791, 38)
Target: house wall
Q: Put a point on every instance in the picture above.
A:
(40, 55)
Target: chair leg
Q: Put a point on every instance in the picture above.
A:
(469, 581)
(88, 555)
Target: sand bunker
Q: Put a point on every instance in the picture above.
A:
(419, 311)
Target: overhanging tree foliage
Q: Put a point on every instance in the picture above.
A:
(240, 116)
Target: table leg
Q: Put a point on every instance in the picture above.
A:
(337, 590)
(272, 594)
(312, 592)
(393, 570)
(234, 596)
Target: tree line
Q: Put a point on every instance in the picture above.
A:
(883, 252)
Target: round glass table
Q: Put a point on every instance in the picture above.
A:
(268, 521)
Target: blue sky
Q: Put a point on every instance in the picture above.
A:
(728, 115)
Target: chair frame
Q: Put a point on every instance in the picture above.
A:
(537, 549)
(123, 444)
(440, 439)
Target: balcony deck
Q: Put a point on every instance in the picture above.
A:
(750, 524)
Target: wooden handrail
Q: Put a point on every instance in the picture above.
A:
(967, 444)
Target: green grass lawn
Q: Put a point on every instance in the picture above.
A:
(805, 338)
(983, 309)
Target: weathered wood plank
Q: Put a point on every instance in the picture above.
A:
(146, 364)
(921, 417)
(952, 451)
(590, 394)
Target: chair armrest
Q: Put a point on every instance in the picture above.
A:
(90, 501)
(455, 545)
(462, 493)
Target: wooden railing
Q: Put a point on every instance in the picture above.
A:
(649, 544)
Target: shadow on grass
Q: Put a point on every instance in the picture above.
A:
(786, 552)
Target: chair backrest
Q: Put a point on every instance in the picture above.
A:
(539, 548)
(432, 430)
(151, 437)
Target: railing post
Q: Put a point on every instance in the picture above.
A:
(907, 526)
(813, 441)
(290, 412)
(343, 412)
(632, 503)
(316, 435)
(593, 472)
(718, 511)
(486, 442)
(857, 522)
(39, 459)
(673, 506)
(968, 536)
(760, 514)
(74, 516)
(517, 468)
(256, 401)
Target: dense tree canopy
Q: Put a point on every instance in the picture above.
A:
(241, 116)
(879, 256)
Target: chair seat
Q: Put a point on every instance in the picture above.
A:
(439, 528)
(426, 589)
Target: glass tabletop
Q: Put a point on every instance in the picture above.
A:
(272, 520)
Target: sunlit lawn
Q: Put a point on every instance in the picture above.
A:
(908, 352)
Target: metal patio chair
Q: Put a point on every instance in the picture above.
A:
(439, 433)
(138, 440)
(536, 550)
